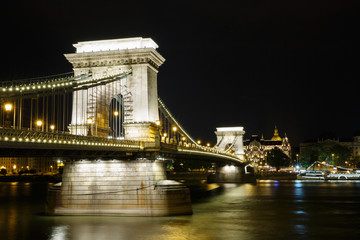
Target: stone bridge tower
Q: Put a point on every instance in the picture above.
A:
(137, 93)
(231, 139)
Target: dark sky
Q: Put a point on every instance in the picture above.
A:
(256, 64)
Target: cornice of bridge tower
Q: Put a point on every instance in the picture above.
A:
(108, 53)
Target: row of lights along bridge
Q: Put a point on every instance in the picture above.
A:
(39, 124)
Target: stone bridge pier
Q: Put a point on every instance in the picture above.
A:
(118, 187)
(232, 174)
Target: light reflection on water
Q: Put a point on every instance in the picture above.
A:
(266, 210)
(59, 232)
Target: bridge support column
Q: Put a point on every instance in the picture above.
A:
(141, 131)
(116, 187)
(231, 174)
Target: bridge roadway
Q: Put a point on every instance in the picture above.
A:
(129, 179)
(26, 143)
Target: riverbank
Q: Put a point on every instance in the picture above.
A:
(193, 179)
(276, 176)
(31, 178)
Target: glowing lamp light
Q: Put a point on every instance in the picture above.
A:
(157, 122)
(8, 107)
(52, 127)
(39, 123)
(174, 129)
(89, 121)
(116, 113)
(208, 144)
(198, 141)
(165, 134)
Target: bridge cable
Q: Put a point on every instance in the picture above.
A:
(232, 144)
(162, 107)
(217, 145)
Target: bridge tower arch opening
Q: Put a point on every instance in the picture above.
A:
(116, 117)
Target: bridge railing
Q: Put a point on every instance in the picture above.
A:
(63, 77)
(186, 146)
(30, 136)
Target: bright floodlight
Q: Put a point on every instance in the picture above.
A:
(229, 129)
(39, 123)
(8, 107)
(115, 44)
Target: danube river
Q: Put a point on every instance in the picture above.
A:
(266, 210)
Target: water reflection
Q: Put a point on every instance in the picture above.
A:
(298, 189)
(266, 210)
(300, 212)
(59, 232)
(300, 229)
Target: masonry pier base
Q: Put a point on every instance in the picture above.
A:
(118, 187)
(231, 174)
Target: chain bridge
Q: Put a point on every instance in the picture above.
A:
(106, 120)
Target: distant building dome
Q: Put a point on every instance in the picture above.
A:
(276, 136)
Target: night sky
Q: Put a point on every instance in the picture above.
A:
(256, 64)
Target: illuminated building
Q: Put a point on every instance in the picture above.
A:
(256, 148)
(40, 165)
(328, 142)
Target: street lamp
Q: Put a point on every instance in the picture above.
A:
(115, 122)
(174, 130)
(39, 124)
(297, 159)
(89, 121)
(199, 142)
(8, 108)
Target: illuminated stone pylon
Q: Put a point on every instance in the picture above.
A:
(231, 139)
(99, 59)
(118, 187)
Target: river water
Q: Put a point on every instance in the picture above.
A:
(265, 210)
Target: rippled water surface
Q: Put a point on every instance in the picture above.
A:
(266, 210)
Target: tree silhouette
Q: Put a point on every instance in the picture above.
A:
(277, 158)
